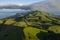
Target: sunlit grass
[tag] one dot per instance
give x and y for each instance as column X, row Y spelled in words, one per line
column 55, row 29
column 1, row 21
column 21, row 24
column 31, row 32
column 9, row 21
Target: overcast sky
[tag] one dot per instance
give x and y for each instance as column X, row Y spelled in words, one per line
column 19, row 1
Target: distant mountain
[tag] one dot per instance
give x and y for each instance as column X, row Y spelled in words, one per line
column 9, row 6
column 50, row 6
column 13, row 6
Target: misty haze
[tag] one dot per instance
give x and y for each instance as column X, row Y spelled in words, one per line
column 11, row 12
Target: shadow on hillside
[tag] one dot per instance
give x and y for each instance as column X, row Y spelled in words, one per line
column 11, row 32
column 48, row 36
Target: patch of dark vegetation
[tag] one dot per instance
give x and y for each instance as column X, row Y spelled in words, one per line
column 44, row 26
column 48, row 36
column 55, row 22
column 11, row 32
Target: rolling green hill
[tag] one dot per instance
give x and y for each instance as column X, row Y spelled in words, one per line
column 35, row 25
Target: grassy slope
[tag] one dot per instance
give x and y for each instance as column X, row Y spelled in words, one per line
column 33, row 26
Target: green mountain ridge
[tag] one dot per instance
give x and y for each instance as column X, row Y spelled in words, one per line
column 35, row 25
